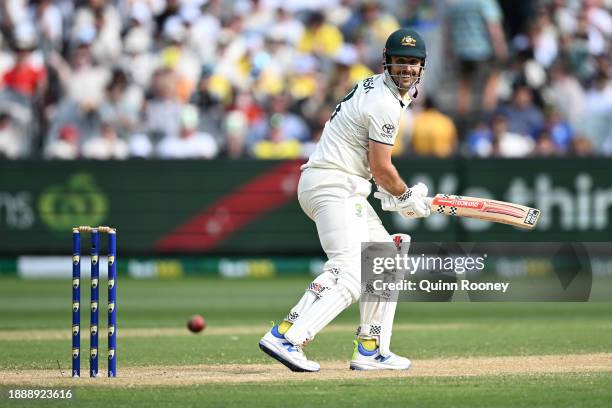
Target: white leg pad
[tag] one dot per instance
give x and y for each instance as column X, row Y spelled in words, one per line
column 315, row 291
column 323, row 311
column 378, row 310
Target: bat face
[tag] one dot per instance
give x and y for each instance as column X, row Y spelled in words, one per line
column 486, row 209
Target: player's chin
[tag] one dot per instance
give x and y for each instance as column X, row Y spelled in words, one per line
column 407, row 83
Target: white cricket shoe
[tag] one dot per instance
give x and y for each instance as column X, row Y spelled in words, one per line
column 364, row 359
column 276, row 346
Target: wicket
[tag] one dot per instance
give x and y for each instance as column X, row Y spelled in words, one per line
column 76, row 300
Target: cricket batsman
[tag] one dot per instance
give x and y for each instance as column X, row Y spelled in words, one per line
column 355, row 146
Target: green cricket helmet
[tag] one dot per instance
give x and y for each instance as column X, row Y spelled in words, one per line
column 405, row 42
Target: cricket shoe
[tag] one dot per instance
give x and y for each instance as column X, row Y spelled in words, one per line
column 276, row 346
column 364, row 359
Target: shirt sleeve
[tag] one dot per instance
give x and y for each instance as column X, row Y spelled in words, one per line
column 383, row 122
column 491, row 11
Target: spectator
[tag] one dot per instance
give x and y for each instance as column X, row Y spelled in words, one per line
column 163, row 110
column 84, row 83
column 582, row 147
column 507, row 144
column 83, row 79
column 306, row 80
column 137, row 59
column 545, row 147
column 279, row 59
column 523, row 117
column 347, row 71
column 179, row 58
column 574, row 50
column 209, row 104
column 47, row 18
column 433, row 133
column 544, row 38
column 238, row 58
column 21, row 118
column 201, row 24
column 104, row 18
column 191, row 144
column 107, row 145
column 598, row 17
column 288, row 25
column 236, row 129
column 563, row 17
column 523, row 68
column 254, row 113
column 171, row 9
column 373, row 26
column 27, row 76
column 66, row 146
column 257, row 16
column 558, row 131
column 232, row 62
column 480, row 141
column 320, row 38
column 478, row 42
column 137, row 14
column 117, row 110
column 10, row 145
column 597, row 123
column 289, row 125
column 565, row 94
column 591, row 35
column 275, row 146
column 140, row 146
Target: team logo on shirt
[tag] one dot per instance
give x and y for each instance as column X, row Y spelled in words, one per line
column 408, row 40
column 368, row 84
column 388, row 130
column 358, row 210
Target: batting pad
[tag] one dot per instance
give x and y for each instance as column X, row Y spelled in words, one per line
column 315, row 291
column 320, row 314
column 377, row 308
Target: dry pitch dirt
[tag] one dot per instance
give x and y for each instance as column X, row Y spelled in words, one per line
column 273, row 372
column 25, row 335
column 335, row 370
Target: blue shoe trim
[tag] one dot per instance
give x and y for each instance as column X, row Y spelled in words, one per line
column 281, row 360
column 289, row 346
column 276, row 333
column 365, row 352
column 382, row 358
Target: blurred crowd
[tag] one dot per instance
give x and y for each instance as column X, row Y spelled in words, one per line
column 117, row 79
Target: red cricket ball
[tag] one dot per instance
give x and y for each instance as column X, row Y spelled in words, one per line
column 196, row 324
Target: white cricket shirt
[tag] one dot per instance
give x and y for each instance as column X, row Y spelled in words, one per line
column 370, row 111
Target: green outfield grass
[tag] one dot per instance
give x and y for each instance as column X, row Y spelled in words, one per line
column 32, row 313
column 580, row 391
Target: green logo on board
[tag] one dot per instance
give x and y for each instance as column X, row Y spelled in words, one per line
column 77, row 202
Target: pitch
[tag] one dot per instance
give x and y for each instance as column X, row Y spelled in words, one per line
column 464, row 354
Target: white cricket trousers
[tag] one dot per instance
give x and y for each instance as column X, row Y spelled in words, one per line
column 337, row 202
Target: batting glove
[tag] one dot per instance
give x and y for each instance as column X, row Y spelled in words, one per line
column 413, row 203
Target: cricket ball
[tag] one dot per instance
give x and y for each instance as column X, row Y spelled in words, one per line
column 196, row 324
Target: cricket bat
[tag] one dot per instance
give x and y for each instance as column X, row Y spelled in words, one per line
column 485, row 209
